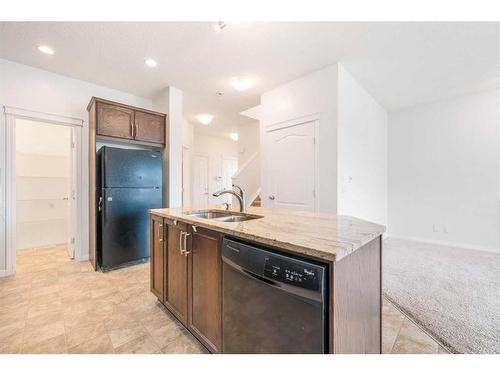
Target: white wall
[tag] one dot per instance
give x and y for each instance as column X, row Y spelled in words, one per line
column 444, row 171
column 314, row 93
column 362, row 152
column 216, row 149
column 187, row 162
column 38, row 90
column 42, row 183
column 170, row 101
column 248, row 141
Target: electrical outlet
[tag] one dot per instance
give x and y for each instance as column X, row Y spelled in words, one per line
column 435, row 227
column 445, row 228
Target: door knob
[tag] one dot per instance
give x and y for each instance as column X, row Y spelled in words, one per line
column 271, row 197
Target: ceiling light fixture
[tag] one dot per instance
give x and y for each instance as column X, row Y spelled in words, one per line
column 205, row 118
column 241, row 84
column 45, row 49
column 234, row 136
column 150, row 62
column 219, row 26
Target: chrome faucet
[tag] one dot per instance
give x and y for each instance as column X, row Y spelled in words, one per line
column 240, row 195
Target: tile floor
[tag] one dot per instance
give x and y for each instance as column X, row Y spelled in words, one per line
column 55, row 305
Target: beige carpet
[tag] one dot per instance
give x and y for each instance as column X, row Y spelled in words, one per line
column 453, row 293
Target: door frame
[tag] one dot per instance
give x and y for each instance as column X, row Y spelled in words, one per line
column 11, row 114
column 314, row 118
column 207, row 157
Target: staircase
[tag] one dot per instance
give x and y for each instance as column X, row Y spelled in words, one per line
column 248, row 178
column 256, row 202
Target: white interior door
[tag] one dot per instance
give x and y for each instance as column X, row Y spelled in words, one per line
column 200, row 180
column 292, row 166
column 229, row 168
column 72, row 207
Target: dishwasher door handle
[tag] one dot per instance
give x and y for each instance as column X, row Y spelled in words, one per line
column 244, row 271
column 260, row 278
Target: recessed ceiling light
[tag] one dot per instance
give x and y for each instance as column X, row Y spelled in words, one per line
column 150, row 62
column 219, row 26
column 241, row 84
column 45, row 49
column 234, row 136
column 205, row 118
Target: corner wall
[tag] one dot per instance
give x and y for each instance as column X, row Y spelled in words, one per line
column 362, row 152
column 312, row 94
column 444, row 172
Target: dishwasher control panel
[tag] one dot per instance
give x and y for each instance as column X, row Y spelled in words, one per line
column 303, row 276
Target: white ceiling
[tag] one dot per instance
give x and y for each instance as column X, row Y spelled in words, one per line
column 400, row 64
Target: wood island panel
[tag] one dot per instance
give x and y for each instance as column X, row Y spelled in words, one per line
column 357, row 308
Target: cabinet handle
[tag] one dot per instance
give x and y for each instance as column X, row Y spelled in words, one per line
column 181, row 241
column 186, row 252
column 160, row 237
column 131, row 129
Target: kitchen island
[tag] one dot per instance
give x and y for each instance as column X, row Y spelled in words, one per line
column 187, row 267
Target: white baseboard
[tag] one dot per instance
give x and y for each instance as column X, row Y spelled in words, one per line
column 5, row 273
column 445, row 243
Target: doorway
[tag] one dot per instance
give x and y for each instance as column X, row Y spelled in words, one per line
column 44, row 186
column 200, row 180
column 43, row 180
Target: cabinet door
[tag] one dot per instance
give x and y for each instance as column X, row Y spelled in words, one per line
column 115, row 121
column 157, row 261
column 176, row 290
column 205, row 287
column 149, row 127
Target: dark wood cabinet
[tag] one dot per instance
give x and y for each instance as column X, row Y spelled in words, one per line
column 176, row 299
column 190, row 285
column 149, row 127
column 115, row 121
column 158, row 259
column 205, row 287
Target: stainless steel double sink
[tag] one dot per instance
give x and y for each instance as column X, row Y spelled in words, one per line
column 224, row 216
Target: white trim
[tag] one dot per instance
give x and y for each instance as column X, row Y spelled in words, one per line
column 42, row 116
column 9, row 119
column 292, row 122
column 4, row 273
column 445, row 243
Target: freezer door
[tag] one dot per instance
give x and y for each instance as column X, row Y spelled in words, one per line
column 130, row 168
column 124, row 230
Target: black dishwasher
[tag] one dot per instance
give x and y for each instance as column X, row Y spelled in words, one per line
column 272, row 303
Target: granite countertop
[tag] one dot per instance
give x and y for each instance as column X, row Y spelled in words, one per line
column 323, row 236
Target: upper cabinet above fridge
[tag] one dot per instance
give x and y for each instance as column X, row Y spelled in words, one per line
column 115, row 120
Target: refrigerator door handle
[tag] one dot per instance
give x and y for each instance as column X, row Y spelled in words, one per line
column 103, row 205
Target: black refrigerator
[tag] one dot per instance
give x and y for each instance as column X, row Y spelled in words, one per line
column 128, row 183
